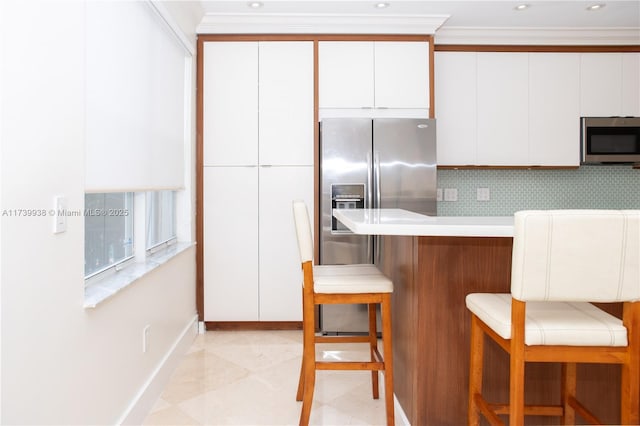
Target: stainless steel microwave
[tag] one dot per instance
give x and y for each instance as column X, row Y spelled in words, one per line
column 610, row 140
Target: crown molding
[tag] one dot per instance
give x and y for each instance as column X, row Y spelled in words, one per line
column 538, row 36
column 319, row 24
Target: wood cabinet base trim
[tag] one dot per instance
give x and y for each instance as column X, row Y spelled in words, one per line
column 253, row 325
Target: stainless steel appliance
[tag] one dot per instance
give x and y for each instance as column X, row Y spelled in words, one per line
column 370, row 163
column 610, row 140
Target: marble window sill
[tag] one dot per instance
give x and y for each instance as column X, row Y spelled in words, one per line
column 98, row 292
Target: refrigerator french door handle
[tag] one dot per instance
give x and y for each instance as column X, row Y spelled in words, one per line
column 377, row 205
column 368, row 203
column 376, row 175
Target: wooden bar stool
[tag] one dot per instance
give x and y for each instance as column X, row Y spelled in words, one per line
column 562, row 260
column 341, row 284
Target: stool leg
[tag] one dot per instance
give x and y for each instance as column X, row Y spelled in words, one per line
column 388, row 358
column 630, row 380
column 568, row 391
column 309, row 383
column 304, row 345
column 308, row 371
column 300, row 381
column 630, row 392
column 516, row 364
column 475, row 371
column 373, row 343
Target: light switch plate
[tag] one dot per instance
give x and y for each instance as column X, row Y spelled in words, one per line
column 59, row 216
column 483, row 194
column 439, row 194
column 451, row 194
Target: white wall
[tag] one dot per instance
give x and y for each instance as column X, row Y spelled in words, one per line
column 61, row 363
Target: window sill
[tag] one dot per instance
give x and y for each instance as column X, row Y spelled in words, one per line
column 102, row 290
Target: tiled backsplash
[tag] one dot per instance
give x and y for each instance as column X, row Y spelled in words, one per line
column 598, row 187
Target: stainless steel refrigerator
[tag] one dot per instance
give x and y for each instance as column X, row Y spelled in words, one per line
column 370, row 163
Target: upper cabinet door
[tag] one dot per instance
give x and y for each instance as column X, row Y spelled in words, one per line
column 286, row 103
column 401, row 74
column 631, row 84
column 554, row 108
column 503, row 109
column 609, row 84
column 457, row 126
column 230, row 111
column 600, row 84
column 381, row 74
column 345, row 74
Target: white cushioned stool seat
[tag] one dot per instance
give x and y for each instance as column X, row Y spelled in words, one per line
column 551, row 323
column 375, row 283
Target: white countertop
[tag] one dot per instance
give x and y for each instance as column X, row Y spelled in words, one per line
column 404, row 222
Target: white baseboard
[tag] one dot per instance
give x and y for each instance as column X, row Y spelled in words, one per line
column 146, row 398
column 400, row 412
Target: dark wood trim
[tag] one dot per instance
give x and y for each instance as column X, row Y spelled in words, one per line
column 432, row 85
column 533, row 48
column 199, row 180
column 313, row 37
column 507, row 167
column 253, row 325
column 316, row 152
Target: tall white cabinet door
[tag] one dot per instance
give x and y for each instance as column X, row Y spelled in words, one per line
column 631, row 84
column 230, row 249
column 455, row 90
column 554, row 108
column 600, row 84
column 345, row 74
column 286, row 103
column 503, row 109
column 230, row 124
column 280, row 272
column 401, row 74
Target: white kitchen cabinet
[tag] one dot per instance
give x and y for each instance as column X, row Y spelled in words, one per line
column 280, row 272
column 600, row 84
column 527, row 105
column 554, row 108
column 230, row 113
column 610, row 84
column 251, row 272
column 345, row 74
column 631, row 84
column 286, row 127
column 401, row 74
column 456, row 115
column 230, row 248
column 366, row 75
column 503, row 109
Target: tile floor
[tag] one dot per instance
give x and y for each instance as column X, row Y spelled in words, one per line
column 251, row 377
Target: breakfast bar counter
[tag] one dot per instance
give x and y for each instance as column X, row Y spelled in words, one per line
column 404, row 222
column 434, row 263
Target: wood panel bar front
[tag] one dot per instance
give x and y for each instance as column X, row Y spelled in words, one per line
column 432, row 276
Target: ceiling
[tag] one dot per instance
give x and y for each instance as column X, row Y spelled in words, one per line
column 572, row 14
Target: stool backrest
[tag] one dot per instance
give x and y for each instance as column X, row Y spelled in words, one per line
column 576, row 255
column 303, row 231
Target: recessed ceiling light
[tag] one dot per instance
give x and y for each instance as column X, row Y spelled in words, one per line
column 254, row 5
column 522, row 7
column 595, row 7
column 382, row 5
